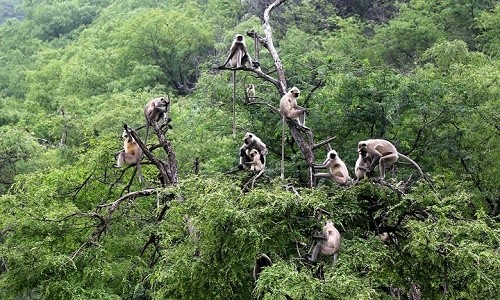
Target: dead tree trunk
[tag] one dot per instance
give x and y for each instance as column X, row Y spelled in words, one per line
column 303, row 138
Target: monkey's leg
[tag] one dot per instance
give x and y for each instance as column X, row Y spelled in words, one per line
column 314, row 255
column 385, row 162
column 317, row 176
column 243, row 158
column 120, row 160
column 375, row 162
column 139, row 172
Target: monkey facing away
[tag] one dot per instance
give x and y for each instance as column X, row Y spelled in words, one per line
column 337, row 169
column 154, row 111
column 329, row 245
column 362, row 164
column 250, row 92
column 130, row 155
column 256, row 165
column 290, row 109
column 238, row 54
column 384, row 154
column 251, row 141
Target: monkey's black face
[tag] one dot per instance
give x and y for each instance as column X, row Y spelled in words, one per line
column 248, row 139
column 296, row 94
column 332, row 155
column 239, row 38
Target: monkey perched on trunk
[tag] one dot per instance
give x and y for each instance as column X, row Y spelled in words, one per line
column 329, row 245
column 154, row 111
column 250, row 142
column 336, row 167
column 384, row 154
column 130, row 155
column 290, row 109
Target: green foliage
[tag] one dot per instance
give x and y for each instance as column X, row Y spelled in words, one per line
column 423, row 74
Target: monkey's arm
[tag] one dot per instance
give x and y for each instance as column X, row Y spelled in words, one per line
column 319, row 237
column 162, row 108
column 232, row 51
column 324, row 165
column 376, row 158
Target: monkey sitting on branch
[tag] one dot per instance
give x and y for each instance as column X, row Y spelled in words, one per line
column 250, row 93
column 384, row 154
column 251, row 142
column 337, row 170
column 329, row 243
column 131, row 154
column 238, row 54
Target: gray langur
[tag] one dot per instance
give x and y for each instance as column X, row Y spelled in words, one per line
column 251, row 141
column 156, row 110
column 262, row 262
column 337, row 169
column 362, row 164
column 290, row 109
column 384, row 154
column 256, row 165
column 250, row 92
column 329, row 245
column 238, row 54
column 130, row 155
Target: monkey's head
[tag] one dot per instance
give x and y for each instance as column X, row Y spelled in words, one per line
column 362, row 146
column 124, row 134
column 239, row 38
column 329, row 223
column 165, row 100
column 294, row 91
column 363, row 152
column 332, row 154
column 248, row 138
column 253, row 153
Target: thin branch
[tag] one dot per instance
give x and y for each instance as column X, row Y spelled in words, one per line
column 324, row 142
column 114, row 205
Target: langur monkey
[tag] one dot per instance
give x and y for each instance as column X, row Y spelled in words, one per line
column 329, row 245
column 250, row 142
column 262, row 262
column 336, row 167
column 155, row 110
column 130, row 155
column 362, row 164
column 290, row 109
column 238, row 54
column 384, row 154
column 256, row 165
column 238, row 57
column 250, row 92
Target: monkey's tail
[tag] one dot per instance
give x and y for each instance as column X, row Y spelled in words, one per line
column 234, row 103
column 414, row 163
column 147, row 133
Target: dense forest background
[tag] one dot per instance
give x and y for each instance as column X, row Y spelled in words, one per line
column 423, row 74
